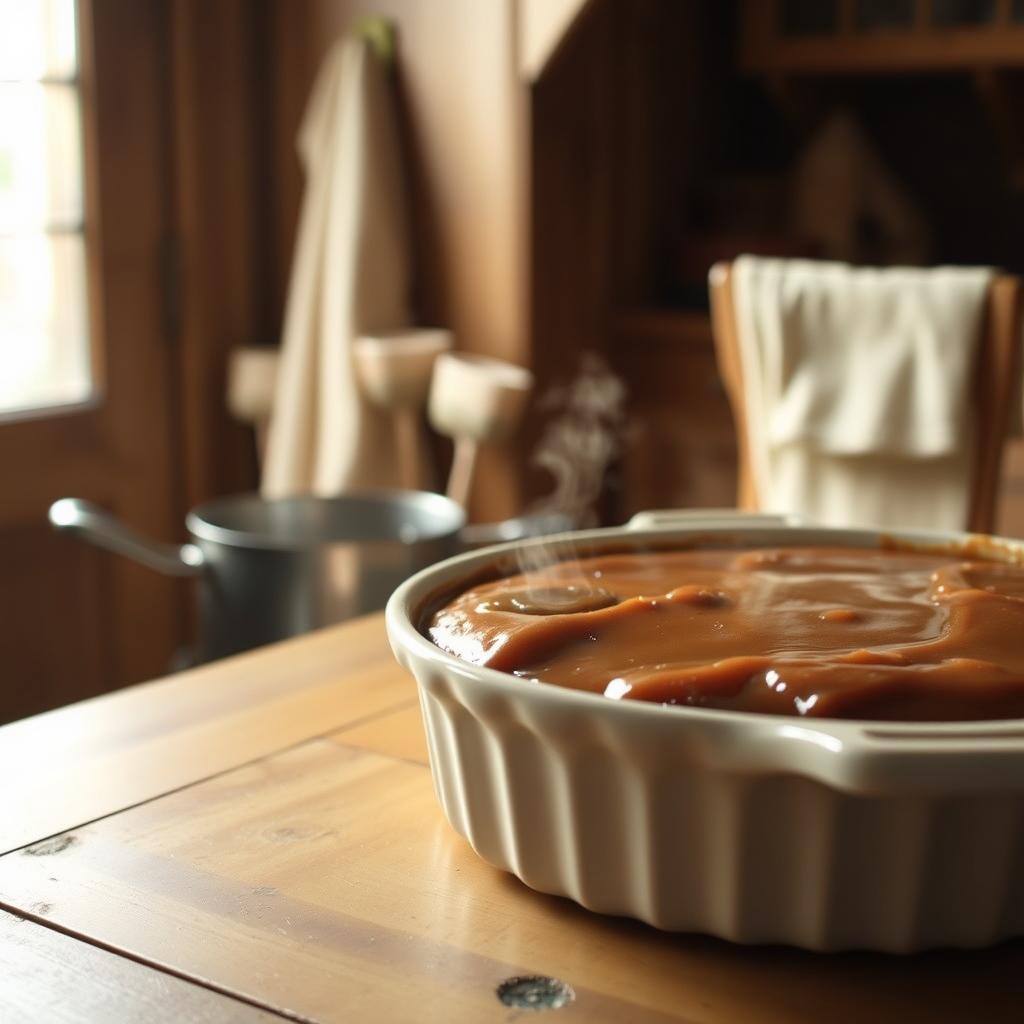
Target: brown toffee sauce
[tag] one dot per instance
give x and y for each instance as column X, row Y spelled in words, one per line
column 821, row 632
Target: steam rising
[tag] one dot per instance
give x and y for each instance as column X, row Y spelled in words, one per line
column 580, row 440
column 578, row 444
column 554, row 580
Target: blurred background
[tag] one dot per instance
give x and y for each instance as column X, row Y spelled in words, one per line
column 571, row 169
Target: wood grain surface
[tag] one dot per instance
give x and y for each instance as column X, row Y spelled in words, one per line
column 322, row 882
column 90, row 759
column 316, row 877
column 39, row 967
column 397, row 734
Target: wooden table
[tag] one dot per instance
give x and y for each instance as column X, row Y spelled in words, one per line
column 258, row 840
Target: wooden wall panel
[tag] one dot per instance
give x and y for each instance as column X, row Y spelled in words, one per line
column 542, row 25
column 571, row 198
column 59, row 587
column 656, row 107
column 218, row 253
column 680, row 450
column 136, row 467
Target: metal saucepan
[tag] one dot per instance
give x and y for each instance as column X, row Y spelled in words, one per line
column 273, row 569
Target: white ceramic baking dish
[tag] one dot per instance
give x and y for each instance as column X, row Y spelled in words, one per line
column 824, row 834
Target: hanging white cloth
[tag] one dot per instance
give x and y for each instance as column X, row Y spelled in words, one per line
column 350, row 276
column 857, row 389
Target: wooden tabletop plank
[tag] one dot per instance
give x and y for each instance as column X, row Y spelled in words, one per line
column 397, row 734
column 324, row 881
column 81, row 762
column 48, row 976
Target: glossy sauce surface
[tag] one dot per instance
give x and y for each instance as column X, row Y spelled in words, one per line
column 824, row 632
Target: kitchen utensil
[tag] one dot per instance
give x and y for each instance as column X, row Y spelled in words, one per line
column 252, row 379
column 475, row 400
column 813, row 832
column 274, row 569
column 394, row 372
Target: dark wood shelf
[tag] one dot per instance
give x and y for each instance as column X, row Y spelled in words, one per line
column 676, row 326
column 923, row 44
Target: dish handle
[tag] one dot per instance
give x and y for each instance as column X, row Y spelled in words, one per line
column 886, row 757
column 672, row 518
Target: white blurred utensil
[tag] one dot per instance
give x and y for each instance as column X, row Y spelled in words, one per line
column 394, row 370
column 475, row 400
column 252, row 377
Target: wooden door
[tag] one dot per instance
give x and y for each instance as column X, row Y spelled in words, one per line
column 75, row 621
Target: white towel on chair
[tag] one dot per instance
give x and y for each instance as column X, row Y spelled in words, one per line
column 857, row 388
column 350, row 276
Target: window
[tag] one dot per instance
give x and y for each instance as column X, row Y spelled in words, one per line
column 45, row 357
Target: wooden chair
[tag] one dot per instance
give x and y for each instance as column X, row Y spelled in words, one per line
column 996, row 388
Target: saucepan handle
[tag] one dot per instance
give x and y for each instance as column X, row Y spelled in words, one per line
column 98, row 526
column 667, row 518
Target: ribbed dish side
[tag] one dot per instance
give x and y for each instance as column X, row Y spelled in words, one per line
column 574, row 811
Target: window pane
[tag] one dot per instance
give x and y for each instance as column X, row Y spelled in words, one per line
column 37, row 39
column 40, row 157
column 45, row 358
column 44, row 334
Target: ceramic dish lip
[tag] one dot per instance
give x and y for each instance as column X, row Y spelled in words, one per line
column 876, row 750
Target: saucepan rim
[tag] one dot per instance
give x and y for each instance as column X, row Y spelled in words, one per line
column 447, row 518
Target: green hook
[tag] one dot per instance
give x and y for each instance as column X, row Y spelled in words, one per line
column 380, row 34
